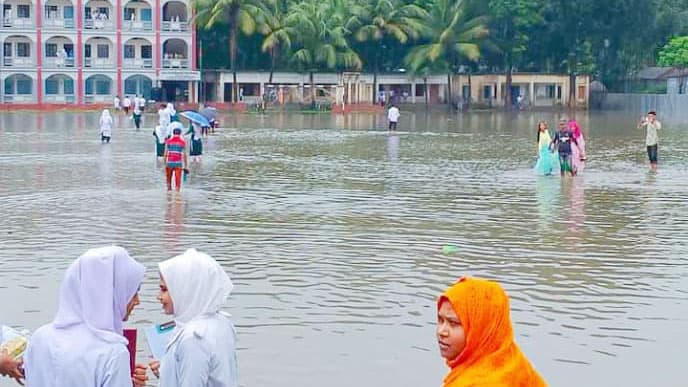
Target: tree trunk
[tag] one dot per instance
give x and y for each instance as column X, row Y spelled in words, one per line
column 427, row 93
column 572, row 89
column 507, row 93
column 470, row 90
column 450, row 100
column 234, row 30
column 312, row 80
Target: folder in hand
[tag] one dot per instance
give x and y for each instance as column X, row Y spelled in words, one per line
column 158, row 336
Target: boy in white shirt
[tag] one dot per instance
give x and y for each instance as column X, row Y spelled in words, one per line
column 393, row 117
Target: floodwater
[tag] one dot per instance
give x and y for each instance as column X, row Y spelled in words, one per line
column 332, row 231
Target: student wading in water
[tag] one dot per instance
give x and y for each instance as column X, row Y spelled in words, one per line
column 651, row 125
column 476, row 338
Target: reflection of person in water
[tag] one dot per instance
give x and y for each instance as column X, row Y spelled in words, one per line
column 393, row 148
column 548, row 193
column 577, row 210
column 174, row 220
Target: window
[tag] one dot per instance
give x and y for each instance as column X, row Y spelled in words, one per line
column 87, row 12
column 51, row 11
column 87, row 51
column 146, row 14
column 68, row 12
column 24, row 85
column 23, row 50
column 103, row 51
column 147, row 52
column 128, row 12
column 52, row 86
column 68, row 86
column 7, row 49
column 420, row 90
column 487, row 92
column 51, row 50
column 130, row 86
column 581, row 92
column 103, row 86
column 69, row 47
column 24, row 11
column 9, row 86
column 129, row 51
column 104, row 11
column 551, row 90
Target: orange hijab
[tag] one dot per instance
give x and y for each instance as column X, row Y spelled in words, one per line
column 491, row 357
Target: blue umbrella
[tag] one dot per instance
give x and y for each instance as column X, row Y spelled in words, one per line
column 195, row 117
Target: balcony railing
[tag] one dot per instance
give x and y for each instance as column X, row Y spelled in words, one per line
column 58, row 62
column 98, row 62
column 175, row 63
column 97, row 98
column 91, row 24
column 50, row 23
column 18, row 98
column 18, row 22
column 138, row 63
column 18, row 61
column 175, row 26
column 129, row 25
column 60, row 98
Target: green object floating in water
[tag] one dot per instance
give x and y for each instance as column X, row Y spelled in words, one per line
column 450, row 249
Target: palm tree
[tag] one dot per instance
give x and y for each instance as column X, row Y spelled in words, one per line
column 320, row 31
column 272, row 24
column 452, row 34
column 238, row 14
column 389, row 18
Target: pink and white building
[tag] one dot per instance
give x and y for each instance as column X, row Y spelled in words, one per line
column 88, row 51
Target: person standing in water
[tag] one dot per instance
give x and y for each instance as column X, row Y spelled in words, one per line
column 175, row 159
column 578, row 152
column 563, row 140
column 651, row 126
column 137, row 116
column 476, row 338
column 105, row 126
column 545, row 164
column 393, row 116
column 196, row 150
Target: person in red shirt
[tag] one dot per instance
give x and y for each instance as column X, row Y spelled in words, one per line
column 175, row 158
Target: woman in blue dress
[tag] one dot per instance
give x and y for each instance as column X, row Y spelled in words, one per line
column 546, row 158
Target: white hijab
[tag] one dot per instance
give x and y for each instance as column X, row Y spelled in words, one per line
column 161, row 133
column 105, row 116
column 96, row 289
column 170, row 109
column 197, row 285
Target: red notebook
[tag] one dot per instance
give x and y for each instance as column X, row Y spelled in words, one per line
column 130, row 334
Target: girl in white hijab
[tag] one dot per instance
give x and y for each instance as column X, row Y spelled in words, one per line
column 201, row 350
column 84, row 345
column 105, row 126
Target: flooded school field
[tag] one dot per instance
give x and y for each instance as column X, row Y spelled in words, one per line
column 333, row 233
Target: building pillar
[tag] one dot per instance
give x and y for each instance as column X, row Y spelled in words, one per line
column 532, row 93
column 39, row 52
column 157, row 50
column 119, row 48
column 262, row 90
column 79, row 52
column 413, row 91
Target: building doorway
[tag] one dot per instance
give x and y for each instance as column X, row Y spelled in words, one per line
column 175, row 91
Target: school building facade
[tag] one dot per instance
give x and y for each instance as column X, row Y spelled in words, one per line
column 79, row 52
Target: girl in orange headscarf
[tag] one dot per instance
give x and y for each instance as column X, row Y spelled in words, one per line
column 476, row 338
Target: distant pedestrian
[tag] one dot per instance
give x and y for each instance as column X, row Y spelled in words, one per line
column 651, row 126
column 105, row 123
column 164, row 118
column 393, row 117
column 136, row 116
column 126, row 105
column 196, row 150
column 117, row 103
column 141, row 103
column 578, row 151
column 175, row 159
column 476, row 338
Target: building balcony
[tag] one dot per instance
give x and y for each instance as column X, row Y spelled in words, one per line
column 138, row 63
column 60, row 98
column 99, row 63
column 138, row 26
column 18, row 98
column 14, row 61
column 59, row 23
column 175, row 26
column 56, row 62
column 19, row 22
column 107, row 25
column 175, row 63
